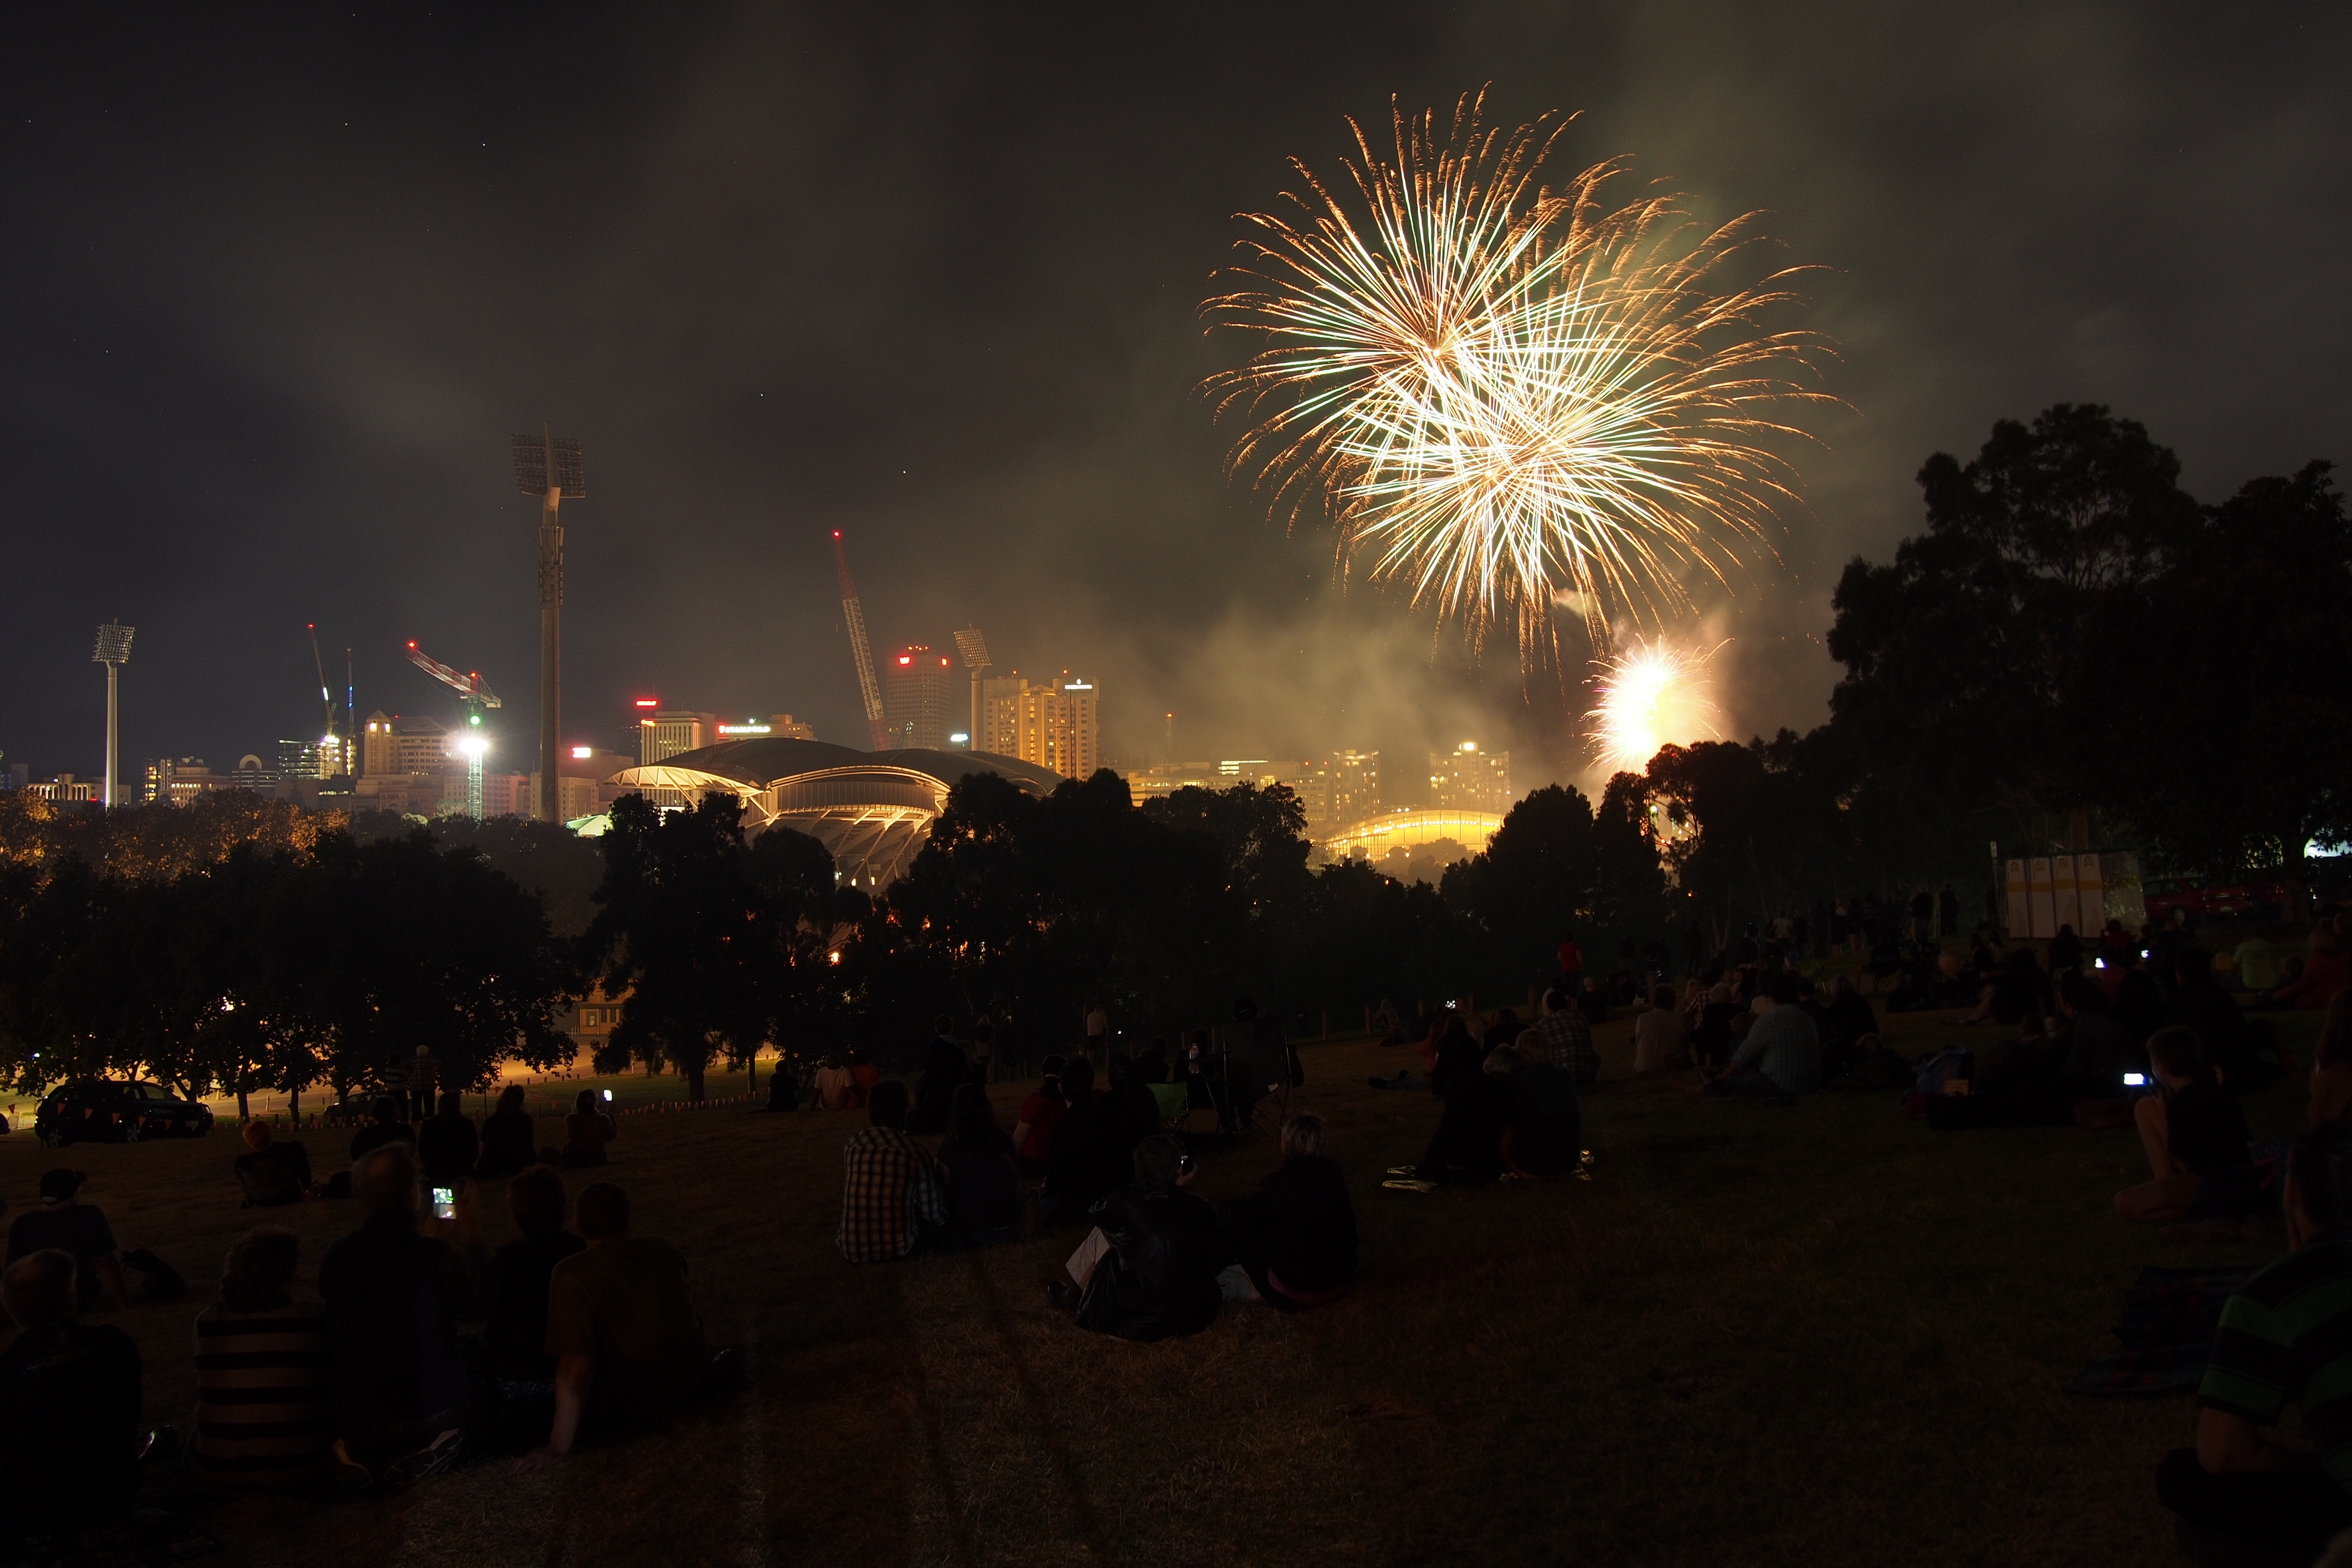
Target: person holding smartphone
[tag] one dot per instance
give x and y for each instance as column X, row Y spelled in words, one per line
column 587, row 1130
column 2195, row 1136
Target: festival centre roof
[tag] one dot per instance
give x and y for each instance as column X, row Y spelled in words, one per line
column 872, row 809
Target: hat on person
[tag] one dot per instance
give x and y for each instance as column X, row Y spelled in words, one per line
column 58, row 1184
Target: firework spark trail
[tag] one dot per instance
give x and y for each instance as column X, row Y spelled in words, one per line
column 1498, row 388
column 1650, row 695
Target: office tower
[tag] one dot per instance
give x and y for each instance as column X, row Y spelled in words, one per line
column 1468, row 779
column 392, row 746
column 915, row 697
column 669, row 730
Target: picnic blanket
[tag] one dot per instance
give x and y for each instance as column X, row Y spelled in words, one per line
column 2169, row 1317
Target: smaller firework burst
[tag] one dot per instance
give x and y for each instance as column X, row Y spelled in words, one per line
column 1651, row 695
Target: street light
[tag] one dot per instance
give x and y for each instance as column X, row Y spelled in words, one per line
column 114, row 652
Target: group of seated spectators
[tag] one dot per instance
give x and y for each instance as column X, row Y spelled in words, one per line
column 1509, row 1098
column 582, row 1337
column 1156, row 1261
column 447, row 1145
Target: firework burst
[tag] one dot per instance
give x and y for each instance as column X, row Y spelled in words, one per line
column 1503, row 392
column 1649, row 696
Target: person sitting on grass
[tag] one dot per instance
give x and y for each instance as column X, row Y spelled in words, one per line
column 1295, row 1238
column 891, row 1206
column 2331, row 1070
column 629, row 1352
column 2326, row 971
column 514, row 1342
column 1660, row 1034
column 2099, row 1050
column 2194, row 1133
column 1567, row 1034
column 945, row 1069
column 273, row 1171
column 1151, row 1263
column 447, row 1143
column 400, row 1393
column 70, row 1399
column 509, row 1137
column 1033, row 1130
column 66, row 1222
column 2286, row 1339
column 1842, row 1024
column 1782, row 1055
column 1467, row 1150
column 586, row 1131
column 984, row 1183
column 262, row 1418
column 1545, row 1136
column 834, row 1088
column 390, row 1126
column 1089, row 1155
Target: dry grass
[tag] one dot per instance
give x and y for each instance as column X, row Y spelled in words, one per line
column 1809, row 1335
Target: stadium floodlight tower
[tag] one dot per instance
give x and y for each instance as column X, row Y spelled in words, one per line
column 114, row 652
column 548, row 466
column 974, row 648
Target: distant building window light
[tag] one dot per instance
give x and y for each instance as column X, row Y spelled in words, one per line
column 959, row 736
column 744, row 729
column 648, row 702
column 583, row 751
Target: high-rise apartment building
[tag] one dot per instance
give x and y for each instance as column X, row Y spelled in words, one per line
column 1468, row 779
column 915, row 697
column 1355, row 786
column 1057, row 724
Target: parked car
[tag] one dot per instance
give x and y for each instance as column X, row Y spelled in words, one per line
column 2213, row 898
column 109, row 1111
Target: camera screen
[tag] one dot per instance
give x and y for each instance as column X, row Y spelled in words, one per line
column 444, row 1202
column 2134, row 1079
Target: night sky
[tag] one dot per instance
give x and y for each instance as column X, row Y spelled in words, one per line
column 279, row 283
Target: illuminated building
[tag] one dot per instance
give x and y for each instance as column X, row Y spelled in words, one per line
column 873, row 810
column 1056, row 725
column 1468, row 779
column 180, row 779
column 392, row 746
column 1355, row 786
column 665, row 732
column 915, row 698
column 1376, row 837
column 1162, row 779
column 581, row 786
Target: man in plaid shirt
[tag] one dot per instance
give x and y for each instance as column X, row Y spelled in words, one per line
column 1568, row 1038
column 890, row 1189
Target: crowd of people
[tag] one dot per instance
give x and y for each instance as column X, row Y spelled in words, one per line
column 1156, row 1260
column 423, row 1345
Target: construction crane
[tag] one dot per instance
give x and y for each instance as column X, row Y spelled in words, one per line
column 475, row 693
column 339, row 745
column 855, row 613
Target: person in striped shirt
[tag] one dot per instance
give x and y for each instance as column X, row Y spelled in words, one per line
column 262, row 1419
column 2286, row 1339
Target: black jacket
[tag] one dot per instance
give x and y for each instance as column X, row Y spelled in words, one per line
column 1088, row 1154
column 1302, row 1223
column 1159, row 1279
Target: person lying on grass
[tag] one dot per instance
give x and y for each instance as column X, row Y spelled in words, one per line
column 2195, row 1136
column 2286, row 1339
column 629, row 1351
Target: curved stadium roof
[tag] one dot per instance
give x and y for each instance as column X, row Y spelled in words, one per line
column 873, row 809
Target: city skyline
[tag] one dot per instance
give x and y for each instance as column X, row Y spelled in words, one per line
column 357, row 303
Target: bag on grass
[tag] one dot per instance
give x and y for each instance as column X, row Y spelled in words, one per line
column 1943, row 1066
column 158, row 1281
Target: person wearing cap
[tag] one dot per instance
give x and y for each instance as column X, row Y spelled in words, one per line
column 75, row 1228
